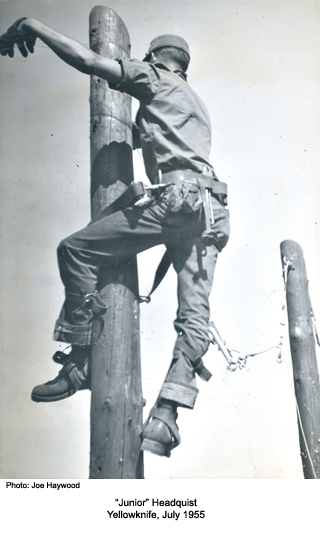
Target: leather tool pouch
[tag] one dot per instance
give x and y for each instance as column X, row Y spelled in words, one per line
column 183, row 196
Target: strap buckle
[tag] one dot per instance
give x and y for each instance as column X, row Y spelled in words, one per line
column 197, row 362
column 95, row 302
column 91, row 301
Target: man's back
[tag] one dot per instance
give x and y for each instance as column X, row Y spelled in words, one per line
column 174, row 123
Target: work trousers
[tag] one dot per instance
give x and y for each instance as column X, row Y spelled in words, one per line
column 174, row 218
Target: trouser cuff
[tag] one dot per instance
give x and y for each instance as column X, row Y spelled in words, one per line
column 75, row 335
column 185, row 395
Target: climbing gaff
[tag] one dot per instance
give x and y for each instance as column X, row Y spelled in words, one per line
column 216, row 339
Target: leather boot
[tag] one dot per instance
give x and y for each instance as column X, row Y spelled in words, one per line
column 72, row 377
column 161, row 433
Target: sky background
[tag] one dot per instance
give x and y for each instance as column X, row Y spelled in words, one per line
column 256, row 66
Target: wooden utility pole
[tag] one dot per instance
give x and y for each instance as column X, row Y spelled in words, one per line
column 116, row 402
column 302, row 344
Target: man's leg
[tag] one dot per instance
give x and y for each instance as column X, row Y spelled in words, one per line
column 81, row 257
column 195, row 277
column 195, row 265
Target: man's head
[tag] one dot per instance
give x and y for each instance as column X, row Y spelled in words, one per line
column 169, row 48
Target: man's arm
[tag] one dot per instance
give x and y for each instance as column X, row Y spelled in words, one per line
column 72, row 52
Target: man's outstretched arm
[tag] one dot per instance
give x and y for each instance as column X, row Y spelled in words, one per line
column 71, row 51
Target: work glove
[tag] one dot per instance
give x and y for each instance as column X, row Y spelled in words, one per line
column 24, row 40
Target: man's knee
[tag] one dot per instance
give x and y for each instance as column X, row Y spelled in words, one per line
column 195, row 333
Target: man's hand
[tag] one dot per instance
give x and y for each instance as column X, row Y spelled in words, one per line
column 25, row 31
column 24, row 40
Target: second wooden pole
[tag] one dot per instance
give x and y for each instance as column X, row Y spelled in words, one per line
column 305, row 368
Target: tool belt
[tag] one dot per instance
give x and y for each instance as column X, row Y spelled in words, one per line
column 207, row 181
column 138, row 193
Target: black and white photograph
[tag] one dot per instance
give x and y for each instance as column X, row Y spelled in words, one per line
column 160, row 248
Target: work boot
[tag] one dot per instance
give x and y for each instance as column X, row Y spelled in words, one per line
column 72, row 377
column 161, row 433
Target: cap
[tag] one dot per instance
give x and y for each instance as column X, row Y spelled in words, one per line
column 167, row 40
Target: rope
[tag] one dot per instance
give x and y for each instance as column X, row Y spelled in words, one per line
column 238, row 360
column 287, row 265
column 305, row 439
column 300, row 420
column 315, row 331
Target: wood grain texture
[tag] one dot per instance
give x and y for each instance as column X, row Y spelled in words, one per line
column 116, row 402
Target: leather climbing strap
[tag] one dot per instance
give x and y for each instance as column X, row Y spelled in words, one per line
column 161, row 271
column 134, row 192
column 60, row 357
column 197, row 362
column 165, row 416
column 77, row 376
column 91, row 301
column 74, row 374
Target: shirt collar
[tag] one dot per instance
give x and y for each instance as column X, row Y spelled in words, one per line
column 177, row 71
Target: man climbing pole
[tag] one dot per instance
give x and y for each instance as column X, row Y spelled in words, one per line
column 184, row 209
